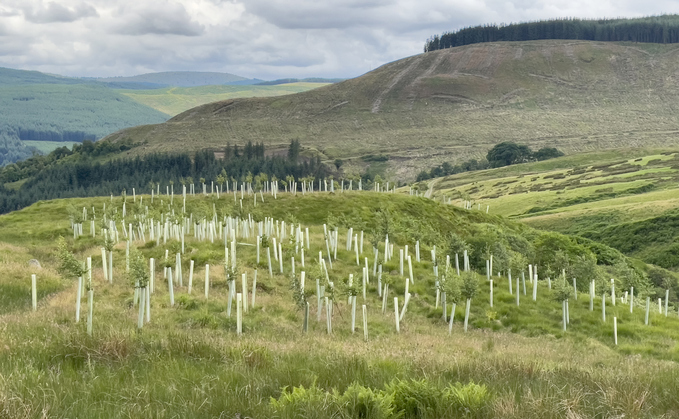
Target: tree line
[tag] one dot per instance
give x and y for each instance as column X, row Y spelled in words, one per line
column 654, row 29
column 503, row 154
column 82, row 175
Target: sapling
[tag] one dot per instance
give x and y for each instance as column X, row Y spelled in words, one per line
column 450, row 285
column 71, row 267
column 561, row 293
column 108, row 247
column 139, row 276
column 468, row 289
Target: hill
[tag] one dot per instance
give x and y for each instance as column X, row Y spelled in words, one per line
column 13, row 77
column 63, row 113
column 181, row 79
column 627, row 199
column 455, row 104
column 189, row 356
column 175, row 100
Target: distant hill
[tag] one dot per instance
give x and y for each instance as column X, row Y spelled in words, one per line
column 181, row 79
column 12, row 77
column 307, row 80
column 63, row 112
column 455, row 104
column 175, row 100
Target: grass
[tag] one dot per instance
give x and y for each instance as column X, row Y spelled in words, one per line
column 175, row 100
column 455, row 104
column 188, row 360
column 608, row 197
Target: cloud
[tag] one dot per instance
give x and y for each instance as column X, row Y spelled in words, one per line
column 160, row 18
column 54, row 12
column 268, row 39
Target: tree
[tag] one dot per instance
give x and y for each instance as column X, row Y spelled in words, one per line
column 507, row 153
column 293, row 151
column 338, row 163
column 546, row 153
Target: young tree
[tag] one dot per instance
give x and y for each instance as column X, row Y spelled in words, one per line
column 468, row 289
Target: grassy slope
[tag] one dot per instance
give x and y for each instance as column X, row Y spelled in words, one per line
column 174, row 100
column 617, row 198
column 454, row 104
column 188, row 360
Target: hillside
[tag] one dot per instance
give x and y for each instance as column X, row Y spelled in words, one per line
column 64, row 113
column 13, row 77
column 455, row 104
column 175, row 100
column 181, row 79
column 627, row 199
column 513, row 361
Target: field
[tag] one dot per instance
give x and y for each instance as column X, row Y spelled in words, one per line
column 455, row 104
column 189, row 360
column 175, row 100
column 602, row 196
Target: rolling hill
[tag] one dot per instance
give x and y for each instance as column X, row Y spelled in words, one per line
column 454, row 104
column 190, row 355
column 627, row 199
column 42, row 112
column 181, row 79
column 175, row 100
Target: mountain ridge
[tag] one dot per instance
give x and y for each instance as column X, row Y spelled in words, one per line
column 455, row 104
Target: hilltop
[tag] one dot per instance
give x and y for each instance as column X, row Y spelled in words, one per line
column 455, row 104
column 181, row 79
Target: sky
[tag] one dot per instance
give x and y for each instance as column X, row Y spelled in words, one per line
column 266, row 39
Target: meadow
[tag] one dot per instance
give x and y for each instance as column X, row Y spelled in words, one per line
column 608, row 197
column 190, row 360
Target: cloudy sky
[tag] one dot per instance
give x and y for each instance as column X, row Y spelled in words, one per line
column 267, row 39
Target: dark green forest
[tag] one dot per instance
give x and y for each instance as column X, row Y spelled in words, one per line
column 80, row 172
column 656, row 29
